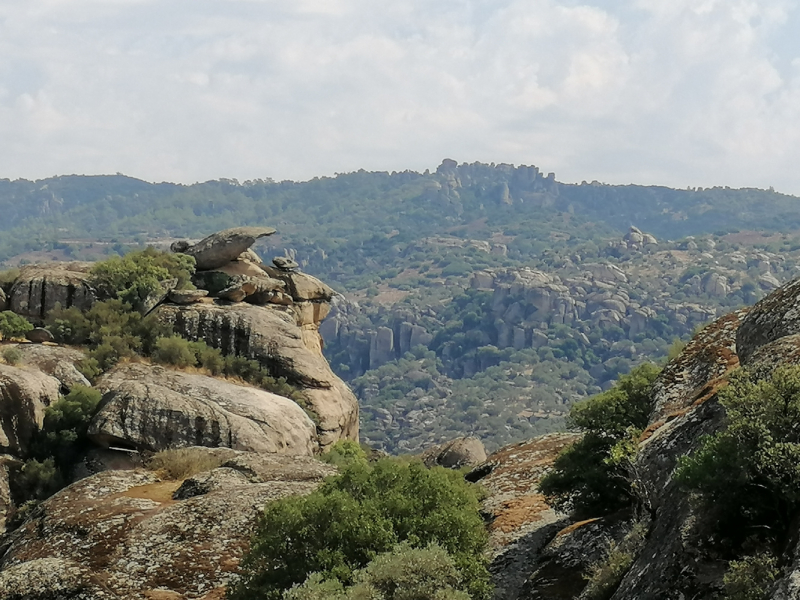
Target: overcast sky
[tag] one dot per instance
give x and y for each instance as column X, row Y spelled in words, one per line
column 675, row 92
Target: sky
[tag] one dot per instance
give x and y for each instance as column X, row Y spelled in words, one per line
column 668, row 92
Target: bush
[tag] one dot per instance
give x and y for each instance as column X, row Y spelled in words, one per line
column 12, row 325
column 406, row 573
column 751, row 578
column 174, row 350
column 12, row 355
column 365, row 511
column 133, row 277
column 747, row 473
column 7, row 278
column 63, row 433
column 344, row 452
column 585, row 476
column 35, row 480
column 180, row 463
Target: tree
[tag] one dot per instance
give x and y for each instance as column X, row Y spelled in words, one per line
column 590, row 476
column 365, row 511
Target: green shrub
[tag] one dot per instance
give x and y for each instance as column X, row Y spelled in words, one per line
column 12, row 325
column 35, row 480
column 174, row 350
column 366, row 510
column 12, row 355
column 344, row 452
column 747, row 474
column 133, row 277
column 7, row 278
column 751, row 578
column 585, row 476
column 405, row 573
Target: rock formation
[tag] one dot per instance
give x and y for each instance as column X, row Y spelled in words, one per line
column 24, row 394
column 39, row 288
column 222, row 247
column 128, row 535
column 151, row 408
column 455, row 454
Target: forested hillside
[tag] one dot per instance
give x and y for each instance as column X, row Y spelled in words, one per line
column 477, row 299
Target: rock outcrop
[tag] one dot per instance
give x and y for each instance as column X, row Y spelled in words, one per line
column 151, row 408
column 455, row 454
column 24, row 394
column 57, row 361
column 39, row 288
column 126, row 535
column 272, row 337
column 775, row 316
column 520, row 521
column 222, row 247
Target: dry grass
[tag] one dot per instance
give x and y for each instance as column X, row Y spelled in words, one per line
column 180, row 463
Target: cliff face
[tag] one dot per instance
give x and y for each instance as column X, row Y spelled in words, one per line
column 674, row 559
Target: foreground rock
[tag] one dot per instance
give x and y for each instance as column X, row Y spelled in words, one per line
column 273, row 338
column 148, row 407
column 521, row 522
column 121, row 535
column 39, row 288
column 24, row 394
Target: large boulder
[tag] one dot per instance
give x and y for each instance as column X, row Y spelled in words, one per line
column 57, row 361
column 222, row 247
column 455, row 454
column 148, row 407
column 124, row 535
column 24, row 394
column 39, row 288
column 272, row 336
column 6, row 504
column 773, row 317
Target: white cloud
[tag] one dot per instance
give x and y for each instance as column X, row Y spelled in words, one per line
column 678, row 92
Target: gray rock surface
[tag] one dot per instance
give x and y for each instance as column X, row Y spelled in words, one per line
column 773, row 317
column 6, row 504
column 24, row 394
column 223, row 247
column 57, row 361
column 455, row 454
column 187, row 296
column 39, row 288
column 272, row 336
column 149, row 407
column 3, row 300
column 121, row 535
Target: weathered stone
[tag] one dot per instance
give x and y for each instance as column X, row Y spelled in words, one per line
column 223, row 247
column 272, row 337
column 284, row 263
column 455, row 454
column 120, row 535
column 39, row 335
column 152, row 408
column 706, row 358
column 3, row 300
column 24, row 394
column 187, row 296
column 57, row 361
column 774, row 316
column 158, row 295
column 6, row 504
column 381, row 348
column 301, row 286
column 521, row 522
column 39, row 288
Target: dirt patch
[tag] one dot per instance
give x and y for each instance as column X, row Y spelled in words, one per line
column 518, row 512
column 160, row 491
